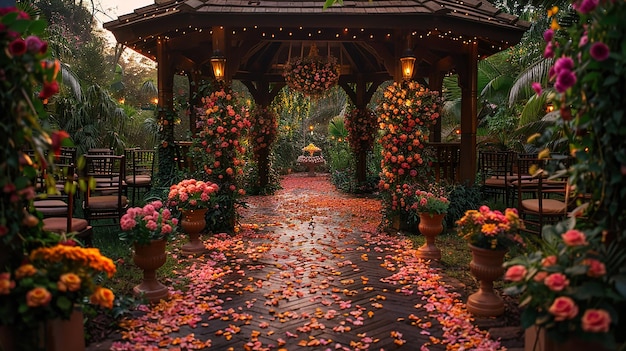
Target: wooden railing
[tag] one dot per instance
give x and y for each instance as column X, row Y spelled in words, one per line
column 446, row 165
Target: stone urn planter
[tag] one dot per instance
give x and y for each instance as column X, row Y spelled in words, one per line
column 193, row 223
column 149, row 258
column 430, row 226
column 486, row 266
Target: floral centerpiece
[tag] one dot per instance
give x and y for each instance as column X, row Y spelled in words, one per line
column 566, row 287
column 312, row 75
column 141, row 225
column 491, row 229
column 311, row 149
column 50, row 283
column 430, row 203
column 191, row 194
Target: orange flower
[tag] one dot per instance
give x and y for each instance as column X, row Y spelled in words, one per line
column 102, row 297
column 38, row 297
column 6, row 284
column 69, row 281
column 25, row 270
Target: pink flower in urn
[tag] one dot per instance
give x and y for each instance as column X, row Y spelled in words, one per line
column 596, row 268
column 596, row 321
column 556, row 281
column 516, row 273
column 574, row 237
column 563, row 308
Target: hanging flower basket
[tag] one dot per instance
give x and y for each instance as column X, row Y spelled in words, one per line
column 312, row 75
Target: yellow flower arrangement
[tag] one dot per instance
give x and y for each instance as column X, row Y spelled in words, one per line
column 51, row 283
column 311, row 149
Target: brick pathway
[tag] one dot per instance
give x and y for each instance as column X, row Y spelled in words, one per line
column 308, row 271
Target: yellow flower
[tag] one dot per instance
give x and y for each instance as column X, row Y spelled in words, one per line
column 553, row 11
column 554, row 25
column 545, row 153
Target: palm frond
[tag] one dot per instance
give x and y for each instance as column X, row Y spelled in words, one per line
column 538, row 72
column 70, row 79
column 533, row 109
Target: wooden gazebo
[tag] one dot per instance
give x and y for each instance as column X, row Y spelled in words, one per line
column 368, row 38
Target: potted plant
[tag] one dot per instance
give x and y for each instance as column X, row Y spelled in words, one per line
column 148, row 229
column 193, row 197
column 48, row 289
column 432, row 209
column 566, row 289
column 489, row 234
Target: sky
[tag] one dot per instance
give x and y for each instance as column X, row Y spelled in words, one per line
column 115, row 8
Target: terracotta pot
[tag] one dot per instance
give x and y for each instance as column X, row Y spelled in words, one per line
column 53, row 335
column 430, row 226
column 535, row 339
column 486, row 266
column 149, row 258
column 193, row 223
column 66, row 335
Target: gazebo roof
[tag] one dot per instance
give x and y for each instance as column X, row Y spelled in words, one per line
column 364, row 35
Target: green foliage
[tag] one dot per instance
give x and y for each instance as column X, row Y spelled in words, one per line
column 462, row 198
column 251, row 178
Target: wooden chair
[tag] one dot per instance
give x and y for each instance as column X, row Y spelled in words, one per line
column 541, row 200
column 139, row 170
column 100, row 151
column 104, row 197
column 497, row 174
column 68, row 223
column 53, row 199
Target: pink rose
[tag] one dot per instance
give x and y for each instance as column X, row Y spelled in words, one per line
column 549, row 261
column 540, row 276
column 574, row 237
column 596, row 268
column 556, row 281
column 596, row 321
column 516, row 273
column 563, row 308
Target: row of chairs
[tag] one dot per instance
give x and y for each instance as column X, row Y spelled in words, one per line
column 110, row 178
column 521, row 181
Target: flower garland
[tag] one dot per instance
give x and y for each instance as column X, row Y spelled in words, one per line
column 312, row 75
column 405, row 113
column 362, row 125
column 264, row 129
column 217, row 150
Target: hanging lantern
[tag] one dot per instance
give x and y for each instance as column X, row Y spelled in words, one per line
column 407, row 62
column 218, row 62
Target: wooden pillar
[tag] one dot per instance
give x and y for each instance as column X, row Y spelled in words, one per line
column 166, row 115
column 468, row 80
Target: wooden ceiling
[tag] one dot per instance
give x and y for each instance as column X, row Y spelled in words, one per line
column 366, row 37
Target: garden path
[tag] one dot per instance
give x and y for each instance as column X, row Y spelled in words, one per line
column 308, row 270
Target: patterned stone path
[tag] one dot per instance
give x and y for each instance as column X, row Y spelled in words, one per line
column 307, row 271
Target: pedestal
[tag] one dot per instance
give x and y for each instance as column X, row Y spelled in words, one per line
column 486, row 266
column 193, row 223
